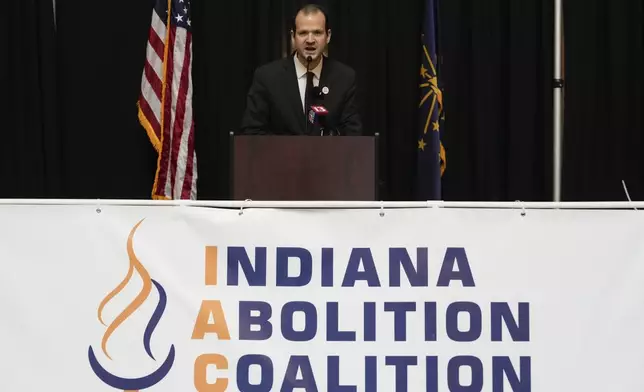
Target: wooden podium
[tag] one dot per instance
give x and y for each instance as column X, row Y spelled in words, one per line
column 304, row 167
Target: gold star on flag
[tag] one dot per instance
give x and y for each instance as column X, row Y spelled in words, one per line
column 423, row 70
column 421, row 144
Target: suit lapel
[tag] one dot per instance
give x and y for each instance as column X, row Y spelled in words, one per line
column 326, row 71
column 326, row 80
column 293, row 94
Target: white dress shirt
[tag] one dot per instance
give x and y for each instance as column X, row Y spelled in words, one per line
column 300, row 71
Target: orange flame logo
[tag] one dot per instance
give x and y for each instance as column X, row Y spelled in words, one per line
column 135, row 384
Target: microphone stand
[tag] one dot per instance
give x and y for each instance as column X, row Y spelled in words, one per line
column 306, row 95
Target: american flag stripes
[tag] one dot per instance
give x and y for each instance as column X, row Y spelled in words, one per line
column 165, row 102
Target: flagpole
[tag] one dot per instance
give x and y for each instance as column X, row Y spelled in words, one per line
column 558, row 102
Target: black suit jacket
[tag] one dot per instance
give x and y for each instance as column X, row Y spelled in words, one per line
column 274, row 105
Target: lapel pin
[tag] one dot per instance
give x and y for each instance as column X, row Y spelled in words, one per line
column 325, row 90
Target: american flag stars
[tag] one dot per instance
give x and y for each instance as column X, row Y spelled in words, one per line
column 181, row 13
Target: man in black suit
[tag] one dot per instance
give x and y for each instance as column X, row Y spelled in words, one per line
column 280, row 98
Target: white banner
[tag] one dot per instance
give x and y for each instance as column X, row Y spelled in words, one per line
column 432, row 300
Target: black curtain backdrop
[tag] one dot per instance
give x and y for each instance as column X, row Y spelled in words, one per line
column 106, row 152
column 497, row 70
column 604, row 127
column 30, row 159
column 69, row 126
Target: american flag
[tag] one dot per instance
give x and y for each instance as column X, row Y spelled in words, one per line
column 165, row 103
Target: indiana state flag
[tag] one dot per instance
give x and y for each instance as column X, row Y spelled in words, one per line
column 431, row 154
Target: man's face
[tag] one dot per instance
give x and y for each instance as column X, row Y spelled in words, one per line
column 310, row 37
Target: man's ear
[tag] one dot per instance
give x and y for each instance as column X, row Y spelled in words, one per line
column 328, row 36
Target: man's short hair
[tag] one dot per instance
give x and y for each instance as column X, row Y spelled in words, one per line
column 313, row 9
